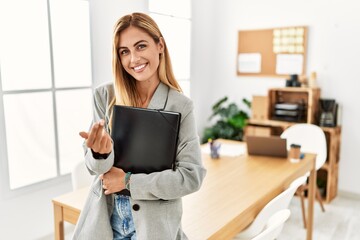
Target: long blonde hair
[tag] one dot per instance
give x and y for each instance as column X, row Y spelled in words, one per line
column 124, row 83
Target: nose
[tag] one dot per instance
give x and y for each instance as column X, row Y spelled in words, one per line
column 135, row 57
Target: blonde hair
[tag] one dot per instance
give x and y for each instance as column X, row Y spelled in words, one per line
column 124, row 84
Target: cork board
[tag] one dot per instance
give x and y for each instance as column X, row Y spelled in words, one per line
column 276, row 52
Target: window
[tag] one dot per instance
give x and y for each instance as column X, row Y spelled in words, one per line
column 45, row 87
column 174, row 15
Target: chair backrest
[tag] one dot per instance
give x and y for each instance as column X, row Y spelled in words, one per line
column 311, row 138
column 80, row 176
column 278, row 203
column 274, row 226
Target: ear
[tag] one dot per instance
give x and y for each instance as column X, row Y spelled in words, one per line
column 161, row 45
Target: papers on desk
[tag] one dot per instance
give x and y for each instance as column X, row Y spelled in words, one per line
column 230, row 150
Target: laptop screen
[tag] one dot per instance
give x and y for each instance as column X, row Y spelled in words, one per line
column 272, row 146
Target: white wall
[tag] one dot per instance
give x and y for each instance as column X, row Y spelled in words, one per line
column 28, row 213
column 333, row 52
column 202, row 59
column 104, row 14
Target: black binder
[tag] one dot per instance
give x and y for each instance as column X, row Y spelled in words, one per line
column 145, row 140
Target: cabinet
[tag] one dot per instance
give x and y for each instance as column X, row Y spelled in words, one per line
column 275, row 124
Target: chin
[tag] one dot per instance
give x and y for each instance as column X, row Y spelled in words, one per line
column 142, row 79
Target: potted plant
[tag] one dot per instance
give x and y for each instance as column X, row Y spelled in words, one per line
column 230, row 121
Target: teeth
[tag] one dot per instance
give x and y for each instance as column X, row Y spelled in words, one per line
column 139, row 67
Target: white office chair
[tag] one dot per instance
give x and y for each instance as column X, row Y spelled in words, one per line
column 274, row 226
column 80, row 176
column 278, row 203
column 312, row 140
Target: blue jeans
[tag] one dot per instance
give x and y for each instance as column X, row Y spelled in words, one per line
column 121, row 219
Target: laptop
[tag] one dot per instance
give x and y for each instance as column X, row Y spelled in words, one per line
column 145, row 140
column 272, row 146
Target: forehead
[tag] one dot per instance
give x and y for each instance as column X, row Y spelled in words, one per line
column 132, row 35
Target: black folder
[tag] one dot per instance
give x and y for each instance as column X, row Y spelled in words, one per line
column 145, row 140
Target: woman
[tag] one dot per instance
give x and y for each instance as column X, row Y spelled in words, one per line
column 149, row 205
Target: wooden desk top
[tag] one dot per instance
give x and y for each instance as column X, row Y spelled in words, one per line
column 235, row 189
column 73, row 200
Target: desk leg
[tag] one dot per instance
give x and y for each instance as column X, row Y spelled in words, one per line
column 311, row 200
column 59, row 222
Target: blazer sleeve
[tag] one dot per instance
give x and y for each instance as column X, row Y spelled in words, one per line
column 99, row 166
column 187, row 177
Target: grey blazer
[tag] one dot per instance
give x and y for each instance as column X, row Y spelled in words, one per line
column 156, row 197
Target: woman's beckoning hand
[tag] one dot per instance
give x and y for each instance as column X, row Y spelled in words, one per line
column 98, row 139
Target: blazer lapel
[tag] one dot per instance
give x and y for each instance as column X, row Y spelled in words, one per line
column 159, row 99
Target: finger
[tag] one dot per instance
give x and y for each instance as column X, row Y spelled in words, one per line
column 101, row 176
column 102, row 144
column 108, row 145
column 102, row 122
column 84, row 135
column 100, row 132
column 99, row 138
column 92, row 135
column 96, row 134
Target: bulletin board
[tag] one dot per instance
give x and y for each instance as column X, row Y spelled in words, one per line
column 276, row 52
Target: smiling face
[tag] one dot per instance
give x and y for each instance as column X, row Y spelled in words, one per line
column 139, row 54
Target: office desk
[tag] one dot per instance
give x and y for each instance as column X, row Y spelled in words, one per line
column 67, row 208
column 234, row 191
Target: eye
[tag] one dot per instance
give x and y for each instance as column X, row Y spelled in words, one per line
column 141, row 46
column 123, row 52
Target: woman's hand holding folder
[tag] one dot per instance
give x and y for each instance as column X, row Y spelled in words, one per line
column 98, row 139
column 110, row 180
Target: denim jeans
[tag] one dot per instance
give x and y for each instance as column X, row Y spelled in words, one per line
column 121, row 219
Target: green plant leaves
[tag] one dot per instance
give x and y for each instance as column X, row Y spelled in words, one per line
column 246, row 102
column 217, row 105
column 238, row 121
column 230, row 123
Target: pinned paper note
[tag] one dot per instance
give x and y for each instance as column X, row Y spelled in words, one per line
column 249, row 62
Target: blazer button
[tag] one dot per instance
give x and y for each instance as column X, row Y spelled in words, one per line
column 136, row 207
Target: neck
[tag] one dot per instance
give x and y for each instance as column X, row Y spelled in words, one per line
column 146, row 90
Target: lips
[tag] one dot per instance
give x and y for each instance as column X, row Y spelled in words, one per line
column 139, row 68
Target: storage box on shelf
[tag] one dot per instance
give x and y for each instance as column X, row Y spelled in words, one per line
column 276, row 124
column 293, row 104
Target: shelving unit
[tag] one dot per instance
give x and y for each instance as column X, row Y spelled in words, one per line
column 331, row 165
column 306, row 98
column 328, row 173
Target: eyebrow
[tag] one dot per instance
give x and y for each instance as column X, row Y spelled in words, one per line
column 135, row 43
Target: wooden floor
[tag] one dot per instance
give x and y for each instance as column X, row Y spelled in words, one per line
column 341, row 221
